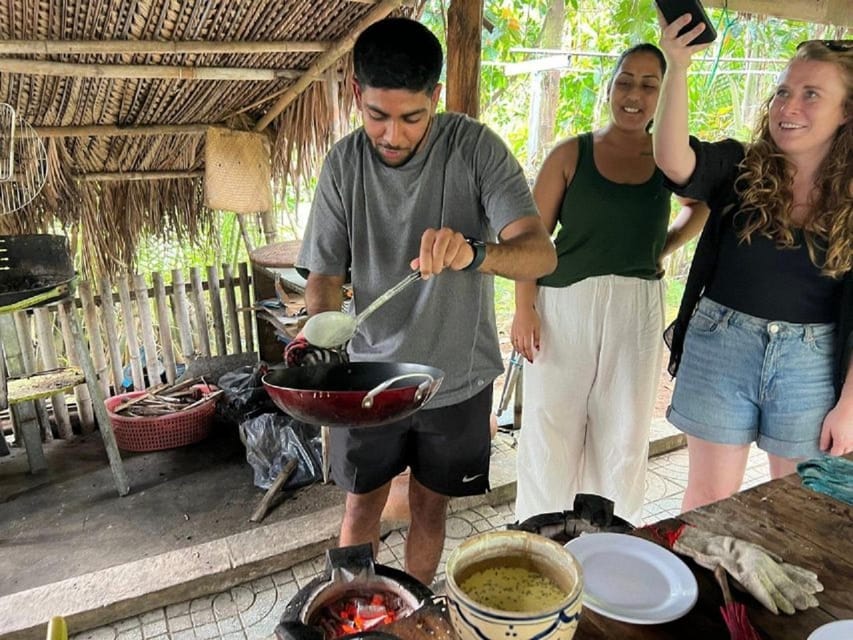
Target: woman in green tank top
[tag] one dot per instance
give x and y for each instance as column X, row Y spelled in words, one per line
column 591, row 331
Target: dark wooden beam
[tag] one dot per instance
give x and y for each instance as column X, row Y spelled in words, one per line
column 464, row 47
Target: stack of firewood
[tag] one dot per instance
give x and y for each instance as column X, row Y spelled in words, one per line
column 162, row 400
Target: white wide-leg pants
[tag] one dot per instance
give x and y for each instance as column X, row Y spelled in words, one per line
column 589, row 395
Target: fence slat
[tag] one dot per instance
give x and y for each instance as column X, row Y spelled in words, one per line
column 246, row 303
column 143, row 306
column 231, row 308
column 180, row 310
column 93, row 328
column 201, row 316
column 81, row 392
column 216, row 309
column 25, row 339
column 166, row 349
column 108, row 313
column 47, row 349
column 130, row 333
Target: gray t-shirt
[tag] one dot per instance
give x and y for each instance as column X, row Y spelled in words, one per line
column 370, row 217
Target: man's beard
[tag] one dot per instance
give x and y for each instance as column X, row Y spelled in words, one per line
column 411, row 155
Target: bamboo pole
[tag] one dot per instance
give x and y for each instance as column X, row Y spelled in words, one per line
column 144, row 71
column 143, row 306
column 216, row 309
column 118, row 176
column 166, row 348
column 326, row 60
column 25, row 338
column 108, row 313
column 246, row 303
column 47, row 348
column 81, row 392
column 124, row 47
column 24, row 415
column 96, row 343
column 334, row 100
column 130, row 331
column 200, row 314
column 113, row 130
column 97, row 398
column 231, row 308
column 244, row 232
column 180, row 309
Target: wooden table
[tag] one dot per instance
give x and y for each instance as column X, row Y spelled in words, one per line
column 804, row 527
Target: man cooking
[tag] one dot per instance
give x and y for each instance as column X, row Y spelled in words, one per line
column 412, row 189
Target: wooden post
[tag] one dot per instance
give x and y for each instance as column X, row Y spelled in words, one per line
column 200, row 313
column 263, row 283
column 231, row 308
column 108, row 313
column 180, row 309
column 268, row 224
column 464, row 46
column 22, row 326
column 82, row 396
column 78, row 347
column 24, row 415
column 96, row 344
column 44, row 333
column 246, row 303
column 130, row 330
column 216, row 309
column 166, row 348
column 143, row 306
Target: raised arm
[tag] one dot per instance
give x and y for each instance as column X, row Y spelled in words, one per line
column 671, row 131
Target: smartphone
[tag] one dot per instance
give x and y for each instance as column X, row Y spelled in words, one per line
column 672, row 9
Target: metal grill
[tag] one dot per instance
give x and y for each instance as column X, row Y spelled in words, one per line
column 23, row 161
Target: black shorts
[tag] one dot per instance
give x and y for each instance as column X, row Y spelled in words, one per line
column 447, row 450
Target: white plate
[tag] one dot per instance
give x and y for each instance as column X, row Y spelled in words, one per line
column 838, row 630
column 633, row 580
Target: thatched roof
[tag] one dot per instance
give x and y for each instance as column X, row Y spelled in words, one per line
column 86, row 74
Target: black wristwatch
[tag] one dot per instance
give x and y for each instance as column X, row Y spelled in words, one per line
column 479, row 248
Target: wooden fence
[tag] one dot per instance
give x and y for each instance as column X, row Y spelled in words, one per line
column 138, row 332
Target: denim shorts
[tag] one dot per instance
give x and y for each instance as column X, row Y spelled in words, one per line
column 744, row 379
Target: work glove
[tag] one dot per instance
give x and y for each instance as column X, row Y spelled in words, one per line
column 774, row 583
column 299, row 353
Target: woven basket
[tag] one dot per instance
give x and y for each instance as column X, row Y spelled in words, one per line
column 177, row 429
column 237, row 173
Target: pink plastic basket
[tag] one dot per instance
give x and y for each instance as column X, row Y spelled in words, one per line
column 178, row 429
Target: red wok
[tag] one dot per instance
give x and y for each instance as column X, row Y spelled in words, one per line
column 354, row 394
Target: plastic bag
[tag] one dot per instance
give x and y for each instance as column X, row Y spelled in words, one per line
column 244, row 394
column 272, row 439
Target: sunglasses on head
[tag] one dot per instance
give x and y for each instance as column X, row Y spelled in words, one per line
column 844, row 46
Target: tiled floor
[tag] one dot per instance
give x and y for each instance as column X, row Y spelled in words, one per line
column 252, row 610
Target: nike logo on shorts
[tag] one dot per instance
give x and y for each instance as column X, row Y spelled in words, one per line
column 467, row 478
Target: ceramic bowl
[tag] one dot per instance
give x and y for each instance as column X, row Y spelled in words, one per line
column 475, row 621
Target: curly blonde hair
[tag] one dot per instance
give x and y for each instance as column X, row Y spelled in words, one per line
column 764, row 183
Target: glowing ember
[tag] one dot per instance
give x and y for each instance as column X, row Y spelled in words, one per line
column 355, row 613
